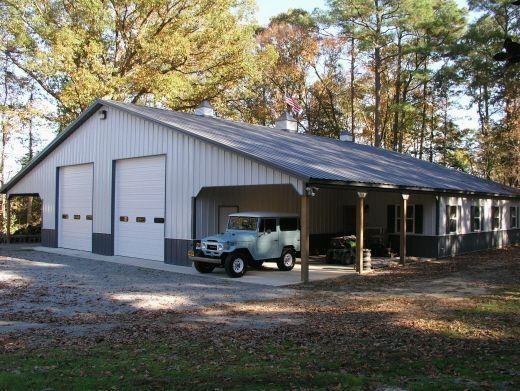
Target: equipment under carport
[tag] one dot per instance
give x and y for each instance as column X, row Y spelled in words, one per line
column 342, row 249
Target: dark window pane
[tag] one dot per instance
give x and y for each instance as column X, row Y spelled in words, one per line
column 65, row 216
column 267, row 225
column 88, row 217
column 158, row 220
column 288, row 224
column 77, row 217
column 124, row 219
column 140, row 219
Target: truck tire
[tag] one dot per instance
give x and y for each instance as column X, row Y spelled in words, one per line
column 235, row 265
column 287, row 261
column 203, row 267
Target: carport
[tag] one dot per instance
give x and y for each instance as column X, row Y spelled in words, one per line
column 378, row 218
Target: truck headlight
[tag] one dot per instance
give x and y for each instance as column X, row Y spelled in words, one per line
column 220, row 246
column 203, row 245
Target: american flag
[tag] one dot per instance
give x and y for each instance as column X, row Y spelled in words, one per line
column 293, row 103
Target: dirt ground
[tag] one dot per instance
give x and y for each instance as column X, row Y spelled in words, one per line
column 45, row 293
column 449, row 324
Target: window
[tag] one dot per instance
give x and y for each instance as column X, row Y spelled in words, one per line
column 513, row 216
column 410, row 218
column 140, row 219
column 267, row 225
column 288, row 224
column 477, row 214
column 495, row 217
column 452, row 219
column 414, row 218
column 65, row 216
column 77, row 217
column 242, row 223
column 89, row 217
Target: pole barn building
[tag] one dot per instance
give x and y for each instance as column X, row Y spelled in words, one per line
column 130, row 180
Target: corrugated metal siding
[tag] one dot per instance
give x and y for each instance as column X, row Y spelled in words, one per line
column 281, row 198
column 327, row 213
column 466, row 203
column 190, row 165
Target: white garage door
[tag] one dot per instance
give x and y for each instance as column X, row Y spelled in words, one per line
column 139, row 208
column 75, row 207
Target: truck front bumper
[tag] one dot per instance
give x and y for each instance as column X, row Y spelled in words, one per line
column 214, row 261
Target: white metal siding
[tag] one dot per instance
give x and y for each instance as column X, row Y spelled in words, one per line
column 75, row 204
column 466, row 203
column 139, row 193
column 191, row 165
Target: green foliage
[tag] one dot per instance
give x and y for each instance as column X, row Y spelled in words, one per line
column 173, row 54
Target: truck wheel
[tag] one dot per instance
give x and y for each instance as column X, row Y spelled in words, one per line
column 203, row 267
column 287, row 261
column 235, row 265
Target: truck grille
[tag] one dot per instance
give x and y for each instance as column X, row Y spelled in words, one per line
column 211, row 246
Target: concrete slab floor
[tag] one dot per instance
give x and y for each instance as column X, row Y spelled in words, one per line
column 269, row 275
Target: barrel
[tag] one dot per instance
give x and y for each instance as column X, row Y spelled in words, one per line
column 367, row 260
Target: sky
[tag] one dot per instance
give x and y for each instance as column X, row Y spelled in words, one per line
column 269, row 8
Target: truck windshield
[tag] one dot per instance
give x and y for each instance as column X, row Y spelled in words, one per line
column 242, row 223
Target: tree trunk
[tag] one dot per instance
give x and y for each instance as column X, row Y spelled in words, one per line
column 423, row 114
column 352, row 88
column 377, row 80
column 377, row 95
column 397, row 95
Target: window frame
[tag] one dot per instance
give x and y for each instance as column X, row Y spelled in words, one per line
column 513, row 215
column 397, row 227
column 474, row 209
column 449, row 219
column 494, row 219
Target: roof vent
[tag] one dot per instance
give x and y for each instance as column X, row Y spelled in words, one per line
column 287, row 122
column 205, row 109
column 346, row 136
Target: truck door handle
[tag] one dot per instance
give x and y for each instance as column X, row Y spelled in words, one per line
column 275, row 240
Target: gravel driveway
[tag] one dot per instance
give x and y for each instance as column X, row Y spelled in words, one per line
column 40, row 289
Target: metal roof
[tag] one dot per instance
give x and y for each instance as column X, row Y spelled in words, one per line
column 312, row 158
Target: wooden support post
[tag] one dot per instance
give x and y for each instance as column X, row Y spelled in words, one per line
column 304, row 239
column 8, row 210
column 360, row 225
column 404, row 204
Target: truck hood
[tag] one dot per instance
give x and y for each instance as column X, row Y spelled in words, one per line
column 232, row 236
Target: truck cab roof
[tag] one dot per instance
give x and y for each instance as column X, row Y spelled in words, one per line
column 264, row 214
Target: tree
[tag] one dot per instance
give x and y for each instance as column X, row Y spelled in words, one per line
column 494, row 89
column 370, row 23
column 173, row 53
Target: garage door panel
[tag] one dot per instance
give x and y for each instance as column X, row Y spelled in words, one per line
column 75, row 199
column 140, row 192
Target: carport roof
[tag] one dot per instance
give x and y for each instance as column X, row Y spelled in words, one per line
column 312, row 158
